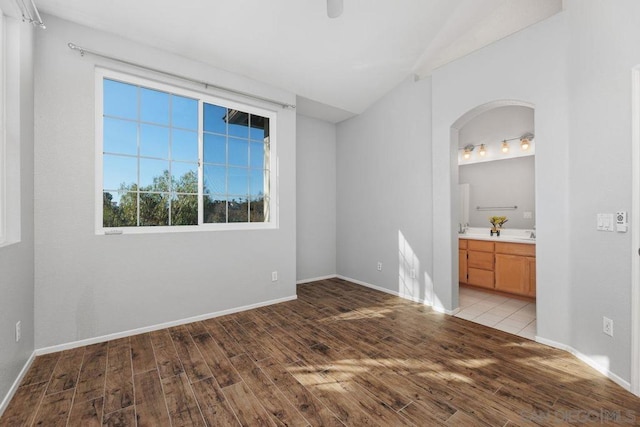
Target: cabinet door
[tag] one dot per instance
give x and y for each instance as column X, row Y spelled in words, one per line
column 482, row 260
column 479, row 277
column 532, row 276
column 512, row 274
column 462, row 266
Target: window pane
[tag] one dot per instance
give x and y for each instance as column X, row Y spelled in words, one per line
column 154, row 106
column 258, row 209
column 185, row 177
column 215, row 209
column 184, row 145
column 119, row 210
column 120, row 136
column 184, row 210
column 238, row 123
column 257, row 130
column 238, row 181
column 239, row 152
column 184, row 112
column 215, row 149
column 120, row 99
column 214, row 118
column 154, row 209
column 154, row 141
column 258, row 152
column 154, row 175
column 238, row 210
column 257, row 183
column 119, row 172
column 215, row 179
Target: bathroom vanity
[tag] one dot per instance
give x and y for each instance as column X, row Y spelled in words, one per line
column 505, row 264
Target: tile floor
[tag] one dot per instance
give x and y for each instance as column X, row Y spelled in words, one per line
column 510, row 315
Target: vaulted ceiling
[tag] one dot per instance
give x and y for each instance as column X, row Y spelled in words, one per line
column 337, row 67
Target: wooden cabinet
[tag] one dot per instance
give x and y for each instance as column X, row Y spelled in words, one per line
column 505, row 267
column 515, row 268
column 462, row 265
column 480, row 263
column 462, row 261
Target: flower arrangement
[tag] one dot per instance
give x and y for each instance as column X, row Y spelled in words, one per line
column 497, row 222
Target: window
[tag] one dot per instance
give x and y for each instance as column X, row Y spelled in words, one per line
column 173, row 158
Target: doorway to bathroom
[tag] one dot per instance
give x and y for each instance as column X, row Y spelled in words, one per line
column 496, row 220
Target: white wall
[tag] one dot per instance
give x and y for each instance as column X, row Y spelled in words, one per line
column 486, row 77
column 316, row 198
column 88, row 285
column 16, row 260
column 384, row 192
column 578, row 78
column 603, row 50
column 509, row 182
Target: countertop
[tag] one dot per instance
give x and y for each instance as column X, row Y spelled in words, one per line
column 505, row 238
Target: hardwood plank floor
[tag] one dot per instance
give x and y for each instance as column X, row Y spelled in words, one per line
column 341, row 354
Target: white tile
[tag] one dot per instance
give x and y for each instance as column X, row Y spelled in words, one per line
column 463, row 314
column 488, row 319
column 526, row 333
column 514, row 323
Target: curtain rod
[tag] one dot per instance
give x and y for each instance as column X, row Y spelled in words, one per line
column 83, row 51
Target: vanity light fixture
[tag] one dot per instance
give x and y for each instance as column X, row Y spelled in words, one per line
column 505, row 146
column 467, row 151
column 525, row 141
column 482, row 150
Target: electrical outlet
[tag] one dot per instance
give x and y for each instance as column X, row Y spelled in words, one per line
column 18, row 331
column 274, row 276
column 379, row 266
column 607, row 326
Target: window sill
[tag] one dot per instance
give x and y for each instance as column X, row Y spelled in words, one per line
column 184, row 229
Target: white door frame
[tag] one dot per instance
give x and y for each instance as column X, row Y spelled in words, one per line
column 635, row 234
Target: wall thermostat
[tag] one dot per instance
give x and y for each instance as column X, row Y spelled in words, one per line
column 621, row 222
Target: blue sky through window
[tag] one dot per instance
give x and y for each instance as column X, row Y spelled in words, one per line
column 147, row 132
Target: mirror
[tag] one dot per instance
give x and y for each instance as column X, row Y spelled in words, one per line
column 493, row 181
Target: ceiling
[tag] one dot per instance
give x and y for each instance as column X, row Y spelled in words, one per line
column 336, row 67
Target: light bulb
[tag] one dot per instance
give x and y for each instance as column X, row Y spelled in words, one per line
column 483, row 150
column 524, row 144
column 505, row 146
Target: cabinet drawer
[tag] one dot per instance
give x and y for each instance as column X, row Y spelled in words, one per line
column 480, row 245
column 462, row 243
column 522, row 249
column 483, row 260
column 479, row 277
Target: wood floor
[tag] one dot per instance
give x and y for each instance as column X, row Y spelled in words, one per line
column 341, row 354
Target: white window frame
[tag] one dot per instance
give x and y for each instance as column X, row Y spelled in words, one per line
column 202, row 97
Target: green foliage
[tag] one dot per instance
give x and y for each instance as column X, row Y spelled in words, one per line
column 178, row 198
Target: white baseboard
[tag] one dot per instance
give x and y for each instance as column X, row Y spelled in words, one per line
column 152, row 328
column 315, row 279
column 398, row 294
column 16, row 383
column 604, row 370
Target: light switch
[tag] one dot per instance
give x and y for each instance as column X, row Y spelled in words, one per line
column 605, row 222
column 527, row 215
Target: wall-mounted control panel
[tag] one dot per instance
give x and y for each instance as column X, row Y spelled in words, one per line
column 613, row 222
column 621, row 222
